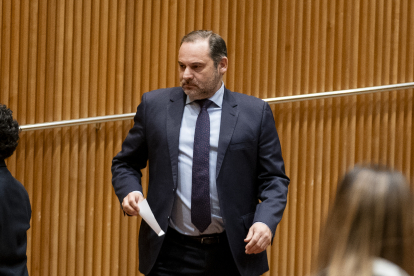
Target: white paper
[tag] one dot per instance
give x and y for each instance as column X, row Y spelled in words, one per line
column 146, row 213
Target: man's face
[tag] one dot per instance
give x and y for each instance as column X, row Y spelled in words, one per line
column 199, row 78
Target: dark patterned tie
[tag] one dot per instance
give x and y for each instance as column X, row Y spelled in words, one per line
column 200, row 193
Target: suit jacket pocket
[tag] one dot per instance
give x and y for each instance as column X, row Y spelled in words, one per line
column 248, row 220
column 242, row 145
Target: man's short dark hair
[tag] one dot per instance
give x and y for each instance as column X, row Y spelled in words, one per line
column 9, row 132
column 218, row 48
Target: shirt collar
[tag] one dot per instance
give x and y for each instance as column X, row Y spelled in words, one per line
column 217, row 98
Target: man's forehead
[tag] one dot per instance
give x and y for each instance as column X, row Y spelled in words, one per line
column 198, row 49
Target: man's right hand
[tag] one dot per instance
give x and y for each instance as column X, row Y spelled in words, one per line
column 130, row 203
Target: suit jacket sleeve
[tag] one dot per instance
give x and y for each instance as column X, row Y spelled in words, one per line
column 127, row 164
column 273, row 182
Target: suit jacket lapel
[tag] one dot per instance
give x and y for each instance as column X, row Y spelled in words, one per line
column 175, row 109
column 229, row 116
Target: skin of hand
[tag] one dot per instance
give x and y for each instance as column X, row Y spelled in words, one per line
column 258, row 238
column 130, row 203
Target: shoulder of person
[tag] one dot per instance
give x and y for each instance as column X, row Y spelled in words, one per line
column 246, row 99
column 382, row 267
column 164, row 93
column 8, row 182
column 12, row 191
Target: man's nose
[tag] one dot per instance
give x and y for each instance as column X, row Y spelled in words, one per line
column 187, row 74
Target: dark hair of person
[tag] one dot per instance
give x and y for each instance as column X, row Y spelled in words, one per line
column 218, row 48
column 372, row 217
column 9, row 132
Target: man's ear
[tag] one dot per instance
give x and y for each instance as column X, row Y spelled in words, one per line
column 222, row 66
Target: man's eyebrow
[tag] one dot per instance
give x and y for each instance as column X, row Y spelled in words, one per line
column 192, row 63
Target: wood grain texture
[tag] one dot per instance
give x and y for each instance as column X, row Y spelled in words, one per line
column 67, row 59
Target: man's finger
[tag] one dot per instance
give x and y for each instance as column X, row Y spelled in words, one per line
column 129, row 210
column 252, row 243
column 250, row 247
column 130, row 203
column 249, row 235
column 259, row 246
column 133, row 202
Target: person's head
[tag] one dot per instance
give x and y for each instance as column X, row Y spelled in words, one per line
column 372, row 216
column 202, row 61
column 9, row 132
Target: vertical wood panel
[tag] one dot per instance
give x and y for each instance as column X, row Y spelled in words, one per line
column 66, row 59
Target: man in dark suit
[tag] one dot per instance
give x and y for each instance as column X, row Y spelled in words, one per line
column 15, row 210
column 217, row 184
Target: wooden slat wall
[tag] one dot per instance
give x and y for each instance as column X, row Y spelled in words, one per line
column 74, row 59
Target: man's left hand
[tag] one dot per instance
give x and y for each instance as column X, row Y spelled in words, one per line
column 258, row 238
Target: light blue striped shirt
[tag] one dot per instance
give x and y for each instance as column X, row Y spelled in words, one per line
column 181, row 215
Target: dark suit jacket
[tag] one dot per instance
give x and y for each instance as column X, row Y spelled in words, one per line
column 15, row 213
column 249, row 168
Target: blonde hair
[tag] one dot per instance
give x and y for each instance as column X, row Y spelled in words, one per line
column 372, row 216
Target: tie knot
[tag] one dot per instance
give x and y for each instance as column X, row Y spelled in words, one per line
column 204, row 104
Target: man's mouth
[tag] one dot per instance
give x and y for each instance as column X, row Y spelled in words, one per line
column 188, row 85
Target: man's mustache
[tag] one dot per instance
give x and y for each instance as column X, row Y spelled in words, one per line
column 188, row 83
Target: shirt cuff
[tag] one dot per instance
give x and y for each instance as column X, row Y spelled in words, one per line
column 137, row 192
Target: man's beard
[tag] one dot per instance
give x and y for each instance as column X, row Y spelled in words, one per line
column 198, row 91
